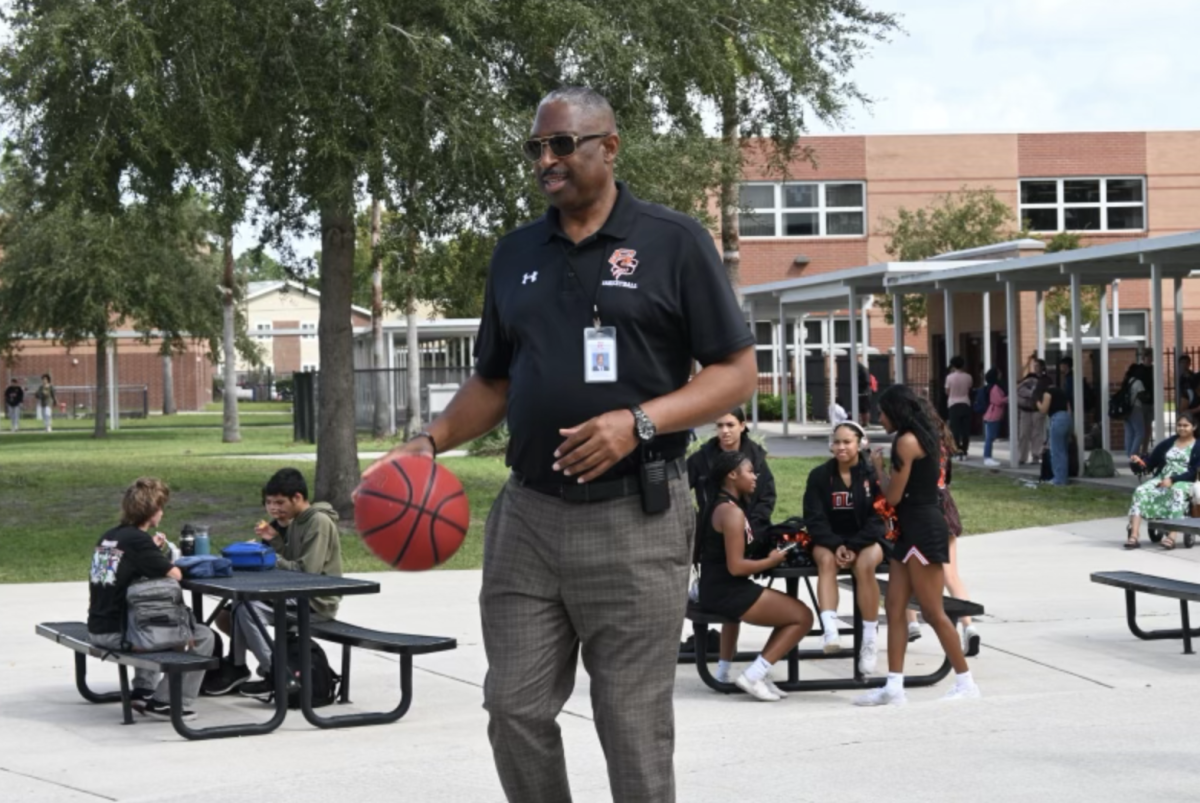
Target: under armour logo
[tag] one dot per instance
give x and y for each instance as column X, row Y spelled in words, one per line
column 529, row 277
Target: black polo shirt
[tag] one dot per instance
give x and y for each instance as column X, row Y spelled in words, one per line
column 660, row 282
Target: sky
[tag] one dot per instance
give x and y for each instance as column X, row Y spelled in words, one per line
column 1031, row 65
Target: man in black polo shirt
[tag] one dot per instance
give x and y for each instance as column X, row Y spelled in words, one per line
column 593, row 316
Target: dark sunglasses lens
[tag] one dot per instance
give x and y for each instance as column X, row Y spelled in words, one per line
column 562, row 145
column 532, row 149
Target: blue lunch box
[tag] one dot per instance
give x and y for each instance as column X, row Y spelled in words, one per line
column 250, row 556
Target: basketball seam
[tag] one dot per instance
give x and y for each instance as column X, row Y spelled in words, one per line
column 428, row 490
column 435, row 517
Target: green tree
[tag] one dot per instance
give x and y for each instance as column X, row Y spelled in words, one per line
column 256, row 265
column 1058, row 299
column 969, row 218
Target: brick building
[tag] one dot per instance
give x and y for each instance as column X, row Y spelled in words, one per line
column 829, row 214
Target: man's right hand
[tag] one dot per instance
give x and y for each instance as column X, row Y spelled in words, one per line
column 420, row 446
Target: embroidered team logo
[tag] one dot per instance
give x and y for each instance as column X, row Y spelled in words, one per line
column 623, row 261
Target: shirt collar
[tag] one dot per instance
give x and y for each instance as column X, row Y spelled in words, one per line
column 620, row 219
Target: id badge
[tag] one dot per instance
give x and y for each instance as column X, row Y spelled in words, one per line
column 600, row 354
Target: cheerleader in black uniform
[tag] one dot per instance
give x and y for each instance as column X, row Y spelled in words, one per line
column 923, row 547
column 725, row 585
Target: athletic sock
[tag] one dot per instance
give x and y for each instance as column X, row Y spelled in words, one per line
column 723, row 668
column 870, row 630
column 963, row 679
column 757, row 670
column 829, row 622
column 895, row 683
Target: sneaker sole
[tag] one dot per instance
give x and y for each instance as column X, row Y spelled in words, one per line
column 913, row 637
column 165, row 716
column 748, row 689
column 832, row 647
column 229, row 689
column 896, row 701
column 973, row 643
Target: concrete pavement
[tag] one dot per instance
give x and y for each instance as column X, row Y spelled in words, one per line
column 1075, row 708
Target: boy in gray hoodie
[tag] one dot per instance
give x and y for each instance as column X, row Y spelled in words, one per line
column 309, row 542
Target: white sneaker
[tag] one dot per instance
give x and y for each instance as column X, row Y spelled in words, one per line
column 881, row 696
column 833, row 642
column 971, row 641
column 771, row 687
column 868, row 657
column 756, row 689
column 970, row 692
column 991, row 463
column 914, row 631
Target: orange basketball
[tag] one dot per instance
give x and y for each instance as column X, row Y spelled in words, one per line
column 412, row 513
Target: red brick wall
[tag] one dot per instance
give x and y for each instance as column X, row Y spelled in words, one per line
column 137, row 364
column 1082, row 154
column 286, row 349
column 822, row 159
column 772, row 259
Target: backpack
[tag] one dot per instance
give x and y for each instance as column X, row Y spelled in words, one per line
column 325, row 682
column 983, row 399
column 1120, row 404
column 1072, row 461
column 156, row 618
column 1025, row 393
column 1099, row 464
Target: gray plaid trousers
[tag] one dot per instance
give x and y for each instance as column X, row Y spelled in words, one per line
column 605, row 577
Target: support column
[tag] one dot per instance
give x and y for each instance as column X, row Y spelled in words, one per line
column 1077, row 359
column 951, row 348
column 866, row 326
column 853, row 361
column 1105, row 424
column 830, row 361
column 802, row 371
column 987, row 332
column 796, row 360
column 754, row 398
column 1041, row 325
column 1116, row 310
column 898, row 336
column 1014, row 343
column 1178, row 342
column 783, row 367
column 1156, row 311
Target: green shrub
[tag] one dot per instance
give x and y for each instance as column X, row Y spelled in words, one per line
column 770, row 407
column 493, row 444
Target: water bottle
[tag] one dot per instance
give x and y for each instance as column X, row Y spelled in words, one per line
column 202, row 543
column 187, row 540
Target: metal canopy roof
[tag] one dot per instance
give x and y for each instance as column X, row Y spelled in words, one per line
column 1177, row 255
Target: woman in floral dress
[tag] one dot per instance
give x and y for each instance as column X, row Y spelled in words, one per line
column 1173, row 464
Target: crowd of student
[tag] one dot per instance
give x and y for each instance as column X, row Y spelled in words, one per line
column 860, row 509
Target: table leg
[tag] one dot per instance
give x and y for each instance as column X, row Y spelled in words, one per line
column 279, row 656
column 858, row 626
column 793, row 657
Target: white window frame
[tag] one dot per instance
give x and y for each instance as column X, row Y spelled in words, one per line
column 306, row 368
column 1060, row 206
column 309, row 327
column 777, row 211
column 1063, row 340
column 262, row 331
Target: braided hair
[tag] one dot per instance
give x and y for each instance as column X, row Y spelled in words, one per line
column 724, row 464
column 903, row 408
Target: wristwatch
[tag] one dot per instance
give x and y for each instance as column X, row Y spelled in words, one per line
column 429, row 437
column 642, row 425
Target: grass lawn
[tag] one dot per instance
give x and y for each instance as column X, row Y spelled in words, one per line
column 58, row 492
column 186, row 420
column 251, row 407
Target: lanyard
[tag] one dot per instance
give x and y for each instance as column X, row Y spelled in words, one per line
column 579, row 281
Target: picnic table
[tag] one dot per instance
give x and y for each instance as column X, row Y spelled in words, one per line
column 276, row 587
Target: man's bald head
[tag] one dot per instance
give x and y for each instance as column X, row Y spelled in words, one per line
column 593, row 107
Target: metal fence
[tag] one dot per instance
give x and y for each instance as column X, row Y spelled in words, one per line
column 79, row 401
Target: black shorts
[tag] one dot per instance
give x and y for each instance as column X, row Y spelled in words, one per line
column 924, row 536
column 725, row 595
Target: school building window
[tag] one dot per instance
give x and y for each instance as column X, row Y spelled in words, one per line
column 262, row 331
column 309, row 330
column 1131, row 325
column 1084, row 204
column 803, row 209
column 816, row 334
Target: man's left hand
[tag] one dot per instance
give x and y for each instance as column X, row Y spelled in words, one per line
column 595, row 446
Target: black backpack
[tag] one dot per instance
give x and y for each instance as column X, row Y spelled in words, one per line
column 325, row 682
column 1120, row 405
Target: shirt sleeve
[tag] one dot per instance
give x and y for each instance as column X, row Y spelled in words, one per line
column 493, row 349
column 716, row 326
column 147, row 558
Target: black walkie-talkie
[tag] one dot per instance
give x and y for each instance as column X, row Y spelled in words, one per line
column 656, row 493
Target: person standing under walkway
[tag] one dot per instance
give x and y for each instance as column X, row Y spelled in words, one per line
column 958, row 403
column 1031, row 423
column 588, row 545
column 1135, row 420
column 14, row 397
column 997, row 406
column 1055, row 404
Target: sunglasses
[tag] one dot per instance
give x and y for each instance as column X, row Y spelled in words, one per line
column 561, row 145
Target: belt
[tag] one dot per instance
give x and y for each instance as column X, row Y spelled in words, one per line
column 589, row 492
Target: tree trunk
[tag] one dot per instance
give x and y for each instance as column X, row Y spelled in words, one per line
column 412, row 341
column 384, row 420
column 730, row 173
column 168, row 384
column 100, row 430
column 232, row 432
column 337, row 450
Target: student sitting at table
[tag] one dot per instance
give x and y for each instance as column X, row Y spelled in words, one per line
column 846, row 532
column 725, row 585
column 123, row 555
column 310, row 543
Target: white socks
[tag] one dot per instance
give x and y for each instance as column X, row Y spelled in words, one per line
column 870, row 630
column 963, row 680
column 895, row 683
column 757, row 670
column 723, row 670
column 829, row 621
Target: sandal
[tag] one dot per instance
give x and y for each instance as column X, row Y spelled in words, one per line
column 1131, row 540
column 1167, row 543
